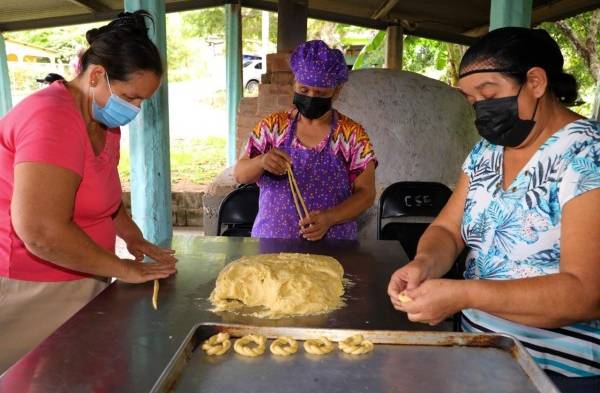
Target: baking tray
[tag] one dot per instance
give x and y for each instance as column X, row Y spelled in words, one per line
column 401, row 362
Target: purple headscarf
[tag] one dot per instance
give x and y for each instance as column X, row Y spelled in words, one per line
column 315, row 64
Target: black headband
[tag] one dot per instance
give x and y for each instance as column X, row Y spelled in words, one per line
column 481, row 70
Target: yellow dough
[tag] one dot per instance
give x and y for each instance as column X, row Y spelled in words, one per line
column 404, row 298
column 218, row 344
column 356, row 345
column 284, row 346
column 241, row 345
column 280, row 285
column 318, row 346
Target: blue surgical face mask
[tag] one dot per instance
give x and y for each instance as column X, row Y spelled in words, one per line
column 117, row 112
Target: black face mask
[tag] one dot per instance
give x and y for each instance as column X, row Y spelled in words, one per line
column 312, row 107
column 497, row 120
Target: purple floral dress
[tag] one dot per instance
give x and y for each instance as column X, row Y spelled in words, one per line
column 324, row 182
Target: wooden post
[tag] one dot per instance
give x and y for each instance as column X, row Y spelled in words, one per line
column 5, row 95
column 149, row 144
column 393, row 47
column 233, row 72
column 515, row 13
column 292, row 16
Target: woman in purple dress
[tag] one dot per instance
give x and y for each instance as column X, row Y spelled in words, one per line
column 330, row 154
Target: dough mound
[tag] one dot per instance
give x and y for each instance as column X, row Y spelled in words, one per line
column 280, row 285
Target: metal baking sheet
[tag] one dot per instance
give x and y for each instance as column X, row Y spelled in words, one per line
column 401, row 362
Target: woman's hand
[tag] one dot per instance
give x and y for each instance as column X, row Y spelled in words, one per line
column 315, row 226
column 141, row 248
column 137, row 272
column 435, row 300
column 408, row 277
column 275, row 161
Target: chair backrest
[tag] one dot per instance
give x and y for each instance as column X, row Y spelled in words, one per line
column 238, row 211
column 409, row 199
column 413, row 199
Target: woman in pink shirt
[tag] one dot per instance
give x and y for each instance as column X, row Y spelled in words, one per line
column 60, row 194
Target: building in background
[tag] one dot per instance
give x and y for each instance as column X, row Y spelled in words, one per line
column 27, row 63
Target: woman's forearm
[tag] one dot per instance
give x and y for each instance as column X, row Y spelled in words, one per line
column 68, row 246
column 438, row 250
column 248, row 170
column 126, row 228
column 352, row 207
column 362, row 197
column 549, row 301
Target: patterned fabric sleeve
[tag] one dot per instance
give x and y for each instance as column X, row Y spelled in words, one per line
column 352, row 141
column 362, row 154
column 581, row 174
column 268, row 133
column 473, row 158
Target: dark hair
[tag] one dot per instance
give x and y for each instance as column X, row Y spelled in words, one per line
column 515, row 50
column 50, row 78
column 122, row 47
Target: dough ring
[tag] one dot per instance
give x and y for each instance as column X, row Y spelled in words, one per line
column 404, row 298
column 356, row 345
column 241, row 345
column 284, row 346
column 217, row 344
column 319, row 346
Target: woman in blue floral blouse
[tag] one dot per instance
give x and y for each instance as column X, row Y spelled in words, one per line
column 527, row 205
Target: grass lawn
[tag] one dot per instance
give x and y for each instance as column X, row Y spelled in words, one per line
column 194, row 162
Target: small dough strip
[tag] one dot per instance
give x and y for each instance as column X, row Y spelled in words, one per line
column 155, row 295
column 296, row 193
column 404, row 298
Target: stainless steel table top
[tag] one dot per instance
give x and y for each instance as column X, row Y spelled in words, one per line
column 119, row 343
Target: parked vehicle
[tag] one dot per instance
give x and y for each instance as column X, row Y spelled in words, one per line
column 251, row 73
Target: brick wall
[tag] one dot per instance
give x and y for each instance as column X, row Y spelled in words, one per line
column 187, row 209
column 275, row 94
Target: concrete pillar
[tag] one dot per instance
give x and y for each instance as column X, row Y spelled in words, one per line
column 5, row 95
column 291, row 24
column 393, row 47
column 265, row 37
column 149, row 144
column 515, row 13
column 233, row 72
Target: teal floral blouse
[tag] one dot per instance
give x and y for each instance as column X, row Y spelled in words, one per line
column 515, row 233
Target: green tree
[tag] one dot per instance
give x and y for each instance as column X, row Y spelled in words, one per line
column 372, row 53
column 579, row 39
column 204, row 23
column 332, row 33
column 210, row 22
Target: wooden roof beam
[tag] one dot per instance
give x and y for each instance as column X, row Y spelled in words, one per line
column 384, row 9
column 92, row 5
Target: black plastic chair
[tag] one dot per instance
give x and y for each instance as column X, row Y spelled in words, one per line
column 415, row 199
column 238, row 211
column 409, row 199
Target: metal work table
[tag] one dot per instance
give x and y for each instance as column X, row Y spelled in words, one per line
column 119, row 343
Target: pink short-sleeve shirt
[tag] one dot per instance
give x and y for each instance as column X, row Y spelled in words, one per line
column 47, row 127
